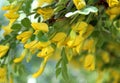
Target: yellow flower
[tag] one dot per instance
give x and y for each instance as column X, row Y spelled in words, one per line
column 46, row 13
column 17, row 60
column 113, row 12
column 78, row 39
column 34, row 45
column 43, row 44
column 59, row 38
column 3, row 50
column 105, row 56
column 88, row 31
column 44, row 2
column 12, row 8
column 45, row 51
column 24, row 36
column 89, row 63
column 71, row 38
column 79, row 47
column 31, row 46
column 89, row 45
column 8, row 7
column 79, row 4
column 40, row 27
column 11, row 15
column 80, row 27
column 42, row 67
column 3, row 75
column 112, row 3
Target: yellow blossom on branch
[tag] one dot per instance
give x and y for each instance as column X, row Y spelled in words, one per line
column 59, row 38
column 31, row 46
column 89, row 45
column 113, row 12
column 89, row 63
column 79, row 4
column 3, row 50
column 46, row 13
column 19, row 59
column 46, row 51
column 112, row 3
column 24, row 36
column 40, row 27
column 11, row 15
column 42, row 67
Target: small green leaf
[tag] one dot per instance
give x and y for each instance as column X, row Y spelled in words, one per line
column 58, row 63
column 43, row 38
column 64, row 71
column 58, row 71
column 26, row 22
column 64, row 57
column 40, row 33
column 16, row 27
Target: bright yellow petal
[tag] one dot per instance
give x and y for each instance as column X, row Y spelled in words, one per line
column 11, row 15
column 89, row 63
column 79, row 4
column 42, row 67
column 40, row 26
column 59, row 36
column 113, row 3
column 3, row 50
column 45, row 12
column 45, row 51
column 17, row 60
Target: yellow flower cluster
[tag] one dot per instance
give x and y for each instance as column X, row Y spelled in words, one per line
column 12, row 15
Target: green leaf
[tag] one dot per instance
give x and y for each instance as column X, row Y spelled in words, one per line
column 16, row 27
column 64, row 64
column 58, row 71
column 27, row 6
column 64, row 57
column 58, row 63
column 43, row 38
column 64, row 71
column 40, row 33
column 26, row 22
